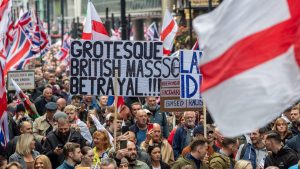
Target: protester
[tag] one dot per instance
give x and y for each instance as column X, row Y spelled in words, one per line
column 282, row 157
column 61, row 104
column 20, row 114
column 184, row 134
column 154, row 137
column 294, row 143
column 195, row 158
column 87, row 158
column 243, row 164
column 156, row 115
column 130, row 154
column 3, row 162
column 25, row 153
column 155, row 154
column 281, row 126
column 108, row 164
column 255, row 152
column 72, row 155
column 222, row 159
column 77, row 124
column 295, row 116
column 140, row 127
column 44, row 124
column 42, row 100
column 123, row 164
column 42, row 162
column 55, row 141
column 117, row 126
column 102, row 146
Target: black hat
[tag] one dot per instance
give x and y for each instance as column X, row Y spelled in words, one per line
column 51, row 106
column 198, row 130
column 77, row 96
column 20, row 107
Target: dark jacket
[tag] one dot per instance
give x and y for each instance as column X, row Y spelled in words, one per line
column 183, row 161
column 11, row 146
column 294, row 130
column 179, row 141
column 40, row 104
column 65, row 165
column 20, row 159
column 160, row 118
column 294, row 143
column 285, row 158
column 53, row 140
column 162, row 165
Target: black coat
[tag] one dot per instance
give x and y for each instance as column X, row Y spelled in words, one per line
column 285, row 158
column 40, row 104
column 53, row 140
column 162, row 165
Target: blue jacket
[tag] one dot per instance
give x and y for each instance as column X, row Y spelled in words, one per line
column 179, row 141
column 249, row 154
column 294, row 143
column 65, row 165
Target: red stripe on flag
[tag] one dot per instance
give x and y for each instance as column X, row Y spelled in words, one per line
column 167, row 30
column 166, row 51
column 99, row 27
column 86, row 36
column 246, row 54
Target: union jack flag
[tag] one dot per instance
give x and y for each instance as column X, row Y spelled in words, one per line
column 196, row 46
column 62, row 55
column 4, row 133
column 152, row 32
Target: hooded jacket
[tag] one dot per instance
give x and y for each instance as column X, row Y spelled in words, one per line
column 285, row 158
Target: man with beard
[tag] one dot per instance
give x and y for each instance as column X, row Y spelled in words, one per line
column 77, row 124
column 295, row 116
column 140, row 127
column 72, row 154
column 184, row 134
column 130, row 154
column 156, row 115
column 55, row 140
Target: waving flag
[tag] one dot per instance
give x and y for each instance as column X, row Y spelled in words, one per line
column 3, row 6
column 115, row 34
column 64, row 50
column 93, row 27
column 4, row 135
column 29, row 106
column 20, row 49
column 168, row 33
column 251, row 67
column 152, row 32
column 196, row 46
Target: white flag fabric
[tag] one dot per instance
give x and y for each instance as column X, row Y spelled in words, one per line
column 93, row 27
column 251, row 66
column 168, row 32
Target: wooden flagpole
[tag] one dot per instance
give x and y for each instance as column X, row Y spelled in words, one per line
column 116, row 106
column 204, row 120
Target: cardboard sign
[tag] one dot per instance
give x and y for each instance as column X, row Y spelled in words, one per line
column 24, row 78
column 190, row 77
column 138, row 66
column 170, row 91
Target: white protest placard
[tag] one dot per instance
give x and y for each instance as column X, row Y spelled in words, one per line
column 24, row 78
column 137, row 63
column 190, row 77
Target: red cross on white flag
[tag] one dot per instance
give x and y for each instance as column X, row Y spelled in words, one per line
column 251, row 67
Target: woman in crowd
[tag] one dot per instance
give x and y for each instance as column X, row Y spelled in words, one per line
column 243, row 164
column 25, row 153
column 13, row 165
column 42, row 162
column 155, row 156
column 87, row 158
column 102, row 146
column 281, row 127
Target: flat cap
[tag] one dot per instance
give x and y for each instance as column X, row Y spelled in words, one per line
column 52, row 106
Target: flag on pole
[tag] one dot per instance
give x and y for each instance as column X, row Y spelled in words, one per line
column 5, row 4
column 4, row 132
column 168, row 33
column 29, row 106
column 93, row 27
column 251, row 67
column 64, row 50
column 115, row 34
column 152, row 32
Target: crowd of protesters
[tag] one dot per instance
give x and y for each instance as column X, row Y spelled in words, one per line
column 66, row 134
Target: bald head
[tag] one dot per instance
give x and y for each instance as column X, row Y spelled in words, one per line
column 141, row 118
column 61, row 104
column 47, row 93
column 156, row 133
column 25, row 127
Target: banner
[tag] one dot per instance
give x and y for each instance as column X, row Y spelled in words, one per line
column 137, row 64
column 24, row 79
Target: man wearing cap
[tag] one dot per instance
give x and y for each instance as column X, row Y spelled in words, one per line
column 44, row 124
column 42, row 100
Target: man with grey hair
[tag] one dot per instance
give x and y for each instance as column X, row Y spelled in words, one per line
column 140, row 127
column 108, row 163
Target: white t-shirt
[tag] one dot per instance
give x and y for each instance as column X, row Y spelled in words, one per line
column 156, row 168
